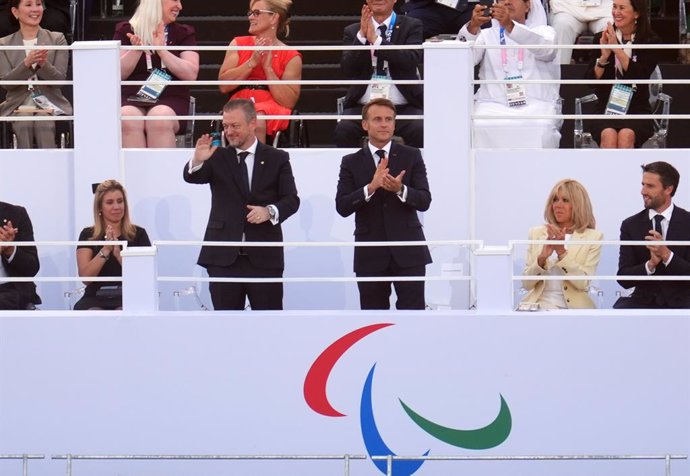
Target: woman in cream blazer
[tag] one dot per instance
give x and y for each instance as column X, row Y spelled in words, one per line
column 569, row 217
column 25, row 64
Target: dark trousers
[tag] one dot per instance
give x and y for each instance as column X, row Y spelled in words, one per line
column 351, row 134
column 10, row 299
column 650, row 302
column 377, row 295
column 438, row 19
column 232, row 296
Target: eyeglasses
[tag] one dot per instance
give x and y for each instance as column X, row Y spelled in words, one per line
column 256, row 13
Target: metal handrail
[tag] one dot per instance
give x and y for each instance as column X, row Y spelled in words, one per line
column 25, row 460
column 345, row 457
column 667, row 458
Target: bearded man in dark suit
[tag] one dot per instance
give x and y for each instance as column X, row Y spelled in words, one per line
column 17, row 261
column 384, row 184
column 660, row 220
column 252, row 192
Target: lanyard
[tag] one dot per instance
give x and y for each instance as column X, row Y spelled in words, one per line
column 504, row 52
column 149, row 62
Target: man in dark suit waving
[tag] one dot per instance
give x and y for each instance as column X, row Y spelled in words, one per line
column 660, row 220
column 379, row 25
column 252, row 193
column 384, row 184
column 17, row 261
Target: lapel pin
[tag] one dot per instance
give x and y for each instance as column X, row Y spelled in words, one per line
column 262, row 162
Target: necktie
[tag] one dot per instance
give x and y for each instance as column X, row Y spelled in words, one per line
column 244, row 174
column 381, row 153
column 657, row 224
column 380, row 71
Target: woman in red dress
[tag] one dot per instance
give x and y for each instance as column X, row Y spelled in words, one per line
column 268, row 19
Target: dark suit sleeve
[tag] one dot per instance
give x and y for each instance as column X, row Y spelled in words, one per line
column 352, row 63
column 349, row 196
column 628, row 263
column 25, row 262
column 203, row 175
column 288, row 202
column 418, row 194
column 413, row 36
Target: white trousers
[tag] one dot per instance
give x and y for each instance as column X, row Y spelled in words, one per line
column 524, row 133
column 568, row 28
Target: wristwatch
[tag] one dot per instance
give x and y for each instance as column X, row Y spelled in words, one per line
column 602, row 65
column 103, row 255
column 271, row 212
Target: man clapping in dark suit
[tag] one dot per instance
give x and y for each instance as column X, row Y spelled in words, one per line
column 660, row 220
column 252, row 193
column 17, row 261
column 379, row 25
column 384, row 185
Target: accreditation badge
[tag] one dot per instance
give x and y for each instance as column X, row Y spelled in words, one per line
column 45, row 104
column 379, row 89
column 515, row 92
column 619, row 100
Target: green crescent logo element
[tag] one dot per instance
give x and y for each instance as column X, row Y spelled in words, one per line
column 490, row 436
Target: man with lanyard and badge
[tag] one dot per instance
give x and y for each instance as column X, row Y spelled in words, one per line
column 514, row 23
column 380, row 26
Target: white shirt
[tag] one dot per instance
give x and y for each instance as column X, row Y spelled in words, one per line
column 386, row 148
column 552, row 297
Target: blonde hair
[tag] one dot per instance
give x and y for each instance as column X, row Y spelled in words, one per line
column 281, row 8
column 126, row 226
column 576, row 193
column 146, row 19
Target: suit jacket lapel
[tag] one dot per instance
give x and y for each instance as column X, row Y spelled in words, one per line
column 259, row 165
column 675, row 226
column 396, row 30
column 17, row 56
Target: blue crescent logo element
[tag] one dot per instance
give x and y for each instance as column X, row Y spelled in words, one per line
column 372, row 437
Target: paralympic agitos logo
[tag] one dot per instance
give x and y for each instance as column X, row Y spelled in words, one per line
column 315, row 396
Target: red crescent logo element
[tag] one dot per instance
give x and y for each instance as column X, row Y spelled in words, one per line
column 317, row 377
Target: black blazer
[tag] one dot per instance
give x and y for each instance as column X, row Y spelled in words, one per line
column 402, row 63
column 272, row 183
column 385, row 217
column 25, row 262
column 641, row 66
column 632, row 259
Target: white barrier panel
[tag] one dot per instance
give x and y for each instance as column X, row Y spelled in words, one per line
column 512, row 187
column 107, row 383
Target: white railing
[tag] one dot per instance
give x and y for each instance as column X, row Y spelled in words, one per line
column 24, row 459
column 389, row 459
column 491, row 269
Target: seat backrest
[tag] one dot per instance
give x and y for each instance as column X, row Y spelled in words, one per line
column 656, row 87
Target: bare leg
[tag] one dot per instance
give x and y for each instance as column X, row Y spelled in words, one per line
column 626, row 139
column 133, row 131
column 161, row 134
column 609, row 139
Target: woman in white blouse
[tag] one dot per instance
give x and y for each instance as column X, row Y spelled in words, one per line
column 515, row 22
column 569, row 218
